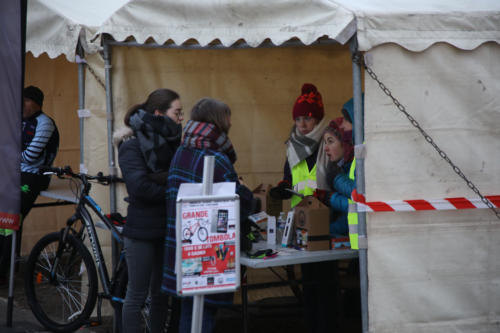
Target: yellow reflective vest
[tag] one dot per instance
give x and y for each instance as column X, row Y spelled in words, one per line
column 303, row 181
column 352, row 217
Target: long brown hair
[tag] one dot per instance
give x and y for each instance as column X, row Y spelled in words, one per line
column 210, row 110
column 160, row 99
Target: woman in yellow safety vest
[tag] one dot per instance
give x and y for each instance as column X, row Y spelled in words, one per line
column 302, row 146
column 300, row 173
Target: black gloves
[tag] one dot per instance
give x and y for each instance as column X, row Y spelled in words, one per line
column 279, row 192
column 323, row 196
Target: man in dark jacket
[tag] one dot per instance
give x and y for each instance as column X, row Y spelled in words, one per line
column 40, row 142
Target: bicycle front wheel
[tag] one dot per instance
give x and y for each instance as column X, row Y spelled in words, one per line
column 61, row 289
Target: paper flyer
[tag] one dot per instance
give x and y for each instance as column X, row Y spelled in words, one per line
column 208, row 258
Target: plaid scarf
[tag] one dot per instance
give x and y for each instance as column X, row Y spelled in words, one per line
column 203, row 135
column 159, row 137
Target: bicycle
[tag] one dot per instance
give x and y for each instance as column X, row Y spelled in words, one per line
column 201, row 232
column 61, row 265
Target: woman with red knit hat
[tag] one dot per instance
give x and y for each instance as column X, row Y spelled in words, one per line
column 301, row 173
column 302, row 146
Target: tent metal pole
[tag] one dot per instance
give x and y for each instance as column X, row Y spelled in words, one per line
column 10, row 298
column 111, row 155
column 207, row 187
column 81, row 101
column 109, row 116
column 360, row 185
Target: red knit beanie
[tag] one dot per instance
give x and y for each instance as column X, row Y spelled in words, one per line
column 309, row 103
column 344, row 136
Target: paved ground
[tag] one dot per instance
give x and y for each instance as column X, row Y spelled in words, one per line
column 272, row 315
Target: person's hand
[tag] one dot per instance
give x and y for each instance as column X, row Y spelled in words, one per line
column 323, row 196
column 279, row 192
column 240, row 180
column 357, row 197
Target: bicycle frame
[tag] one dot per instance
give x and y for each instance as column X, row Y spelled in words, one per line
column 83, row 214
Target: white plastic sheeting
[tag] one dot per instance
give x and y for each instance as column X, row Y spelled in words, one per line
column 433, row 271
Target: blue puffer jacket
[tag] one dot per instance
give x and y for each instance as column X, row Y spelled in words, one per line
column 339, row 204
column 343, row 186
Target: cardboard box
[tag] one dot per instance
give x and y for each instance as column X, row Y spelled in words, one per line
column 312, row 223
column 271, row 206
column 260, row 220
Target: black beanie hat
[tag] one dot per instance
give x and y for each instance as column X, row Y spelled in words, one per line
column 34, row 93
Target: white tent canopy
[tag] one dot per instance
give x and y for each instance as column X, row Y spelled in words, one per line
column 54, row 26
column 230, row 21
column 416, row 25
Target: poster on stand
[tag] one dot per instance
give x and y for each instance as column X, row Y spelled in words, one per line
column 208, row 251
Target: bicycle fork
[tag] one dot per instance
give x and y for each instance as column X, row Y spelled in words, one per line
column 60, row 248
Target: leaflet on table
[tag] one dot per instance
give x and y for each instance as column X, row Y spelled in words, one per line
column 208, row 245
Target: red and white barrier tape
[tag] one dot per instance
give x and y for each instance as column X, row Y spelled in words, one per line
column 437, row 204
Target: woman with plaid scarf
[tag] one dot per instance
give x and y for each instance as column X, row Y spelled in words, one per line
column 205, row 134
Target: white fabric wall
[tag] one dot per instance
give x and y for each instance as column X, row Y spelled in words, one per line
column 433, row 271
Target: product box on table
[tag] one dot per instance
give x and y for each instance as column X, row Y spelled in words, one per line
column 312, row 224
column 269, row 205
column 340, row 242
column 260, row 219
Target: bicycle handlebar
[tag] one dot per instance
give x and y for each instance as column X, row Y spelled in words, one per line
column 67, row 171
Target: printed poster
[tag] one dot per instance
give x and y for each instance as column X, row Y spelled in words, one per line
column 208, row 259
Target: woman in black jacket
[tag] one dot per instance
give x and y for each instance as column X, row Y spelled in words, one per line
column 146, row 147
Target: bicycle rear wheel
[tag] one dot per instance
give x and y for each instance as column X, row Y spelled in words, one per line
column 62, row 302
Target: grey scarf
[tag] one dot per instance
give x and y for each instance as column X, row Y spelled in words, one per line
column 159, row 137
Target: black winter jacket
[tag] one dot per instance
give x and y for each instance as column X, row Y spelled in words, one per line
column 147, row 212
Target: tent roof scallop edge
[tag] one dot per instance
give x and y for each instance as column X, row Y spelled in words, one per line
column 230, row 21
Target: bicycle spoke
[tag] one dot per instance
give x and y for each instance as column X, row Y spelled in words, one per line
column 71, row 303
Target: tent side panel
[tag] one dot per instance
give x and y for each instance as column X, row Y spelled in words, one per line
column 433, row 271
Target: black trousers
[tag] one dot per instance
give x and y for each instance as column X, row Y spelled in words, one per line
column 321, row 294
column 31, row 186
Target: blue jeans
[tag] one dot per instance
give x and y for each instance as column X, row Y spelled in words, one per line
column 208, row 323
column 144, row 262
